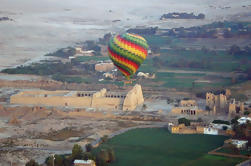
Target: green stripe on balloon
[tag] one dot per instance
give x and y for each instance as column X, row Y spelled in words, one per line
column 128, row 53
column 121, row 65
column 125, row 53
column 135, row 40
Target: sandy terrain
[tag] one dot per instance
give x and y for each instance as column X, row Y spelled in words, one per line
column 37, row 132
column 39, row 28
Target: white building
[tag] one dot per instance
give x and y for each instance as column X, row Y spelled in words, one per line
column 244, row 120
column 210, row 131
column 145, row 75
column 108, row 75
column 80, row 51
column 104, row 67
column 240, row 144
column 84, row 163
column 219, row 126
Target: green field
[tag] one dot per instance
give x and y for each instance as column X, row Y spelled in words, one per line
column 170, row 53
column 158, row 147
column 89, row 58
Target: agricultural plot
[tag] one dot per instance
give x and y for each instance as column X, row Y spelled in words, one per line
column 158, row 146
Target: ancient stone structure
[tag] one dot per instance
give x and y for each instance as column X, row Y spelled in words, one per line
column 235, row 107
column 228, row 93
column 221, row 104
column 188, row 107
column 188, row 103
column 82, row 99
column 216, row 102
column 182, row 129
column 193, row 129
column 81, row 52
column 104, row 67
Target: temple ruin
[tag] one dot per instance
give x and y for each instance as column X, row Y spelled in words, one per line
column 102, row 99
column 187, row 107
column 222, row 104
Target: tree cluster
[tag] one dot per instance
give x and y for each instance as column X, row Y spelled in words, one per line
column 143, row 31
column 92, row 45
column 105, row 39
column 42, row 69
column 237, row 51
column 221, row 122
column 32, row 163
column 224, row 29
column 6, row 19
column 63, row 52
column 176, row 15
column 101, row 157
column 184, row 121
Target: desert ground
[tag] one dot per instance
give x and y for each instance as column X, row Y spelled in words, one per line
column 37, row 131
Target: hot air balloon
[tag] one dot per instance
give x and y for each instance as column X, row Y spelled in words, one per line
column 127, row 52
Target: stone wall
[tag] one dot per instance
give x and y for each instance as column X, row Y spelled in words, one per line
column 181, row 129
column 75, row 99
column 104, row 67
column 190, row 111
column 49, row 98
column 235, row 107
column 187, row 103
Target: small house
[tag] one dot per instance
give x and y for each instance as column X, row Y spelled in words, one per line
column 84, row 163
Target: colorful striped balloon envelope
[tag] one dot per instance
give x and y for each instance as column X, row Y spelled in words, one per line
column 127, row 52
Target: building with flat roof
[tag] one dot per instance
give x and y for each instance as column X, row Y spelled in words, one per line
column 84, row 163
column 240, row 144
column 104, row 66
column 103, row 99
column 244, row 120
column 221, row 103
column 189, row 108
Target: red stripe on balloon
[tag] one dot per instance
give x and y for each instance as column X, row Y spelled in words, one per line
column 135, row 65
column 131, row 44
column 123, row 70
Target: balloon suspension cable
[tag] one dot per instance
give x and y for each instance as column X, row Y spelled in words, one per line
column 127, row 81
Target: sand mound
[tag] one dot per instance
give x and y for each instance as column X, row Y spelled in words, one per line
column 13, row 121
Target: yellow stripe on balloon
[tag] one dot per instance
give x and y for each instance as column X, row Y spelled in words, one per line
column 131, row 49
column 123, row 63
column 137, row 36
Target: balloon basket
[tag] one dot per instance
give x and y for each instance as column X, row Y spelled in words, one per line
column 127, row 82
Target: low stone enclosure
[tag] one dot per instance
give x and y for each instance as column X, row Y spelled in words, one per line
column 79, row 99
